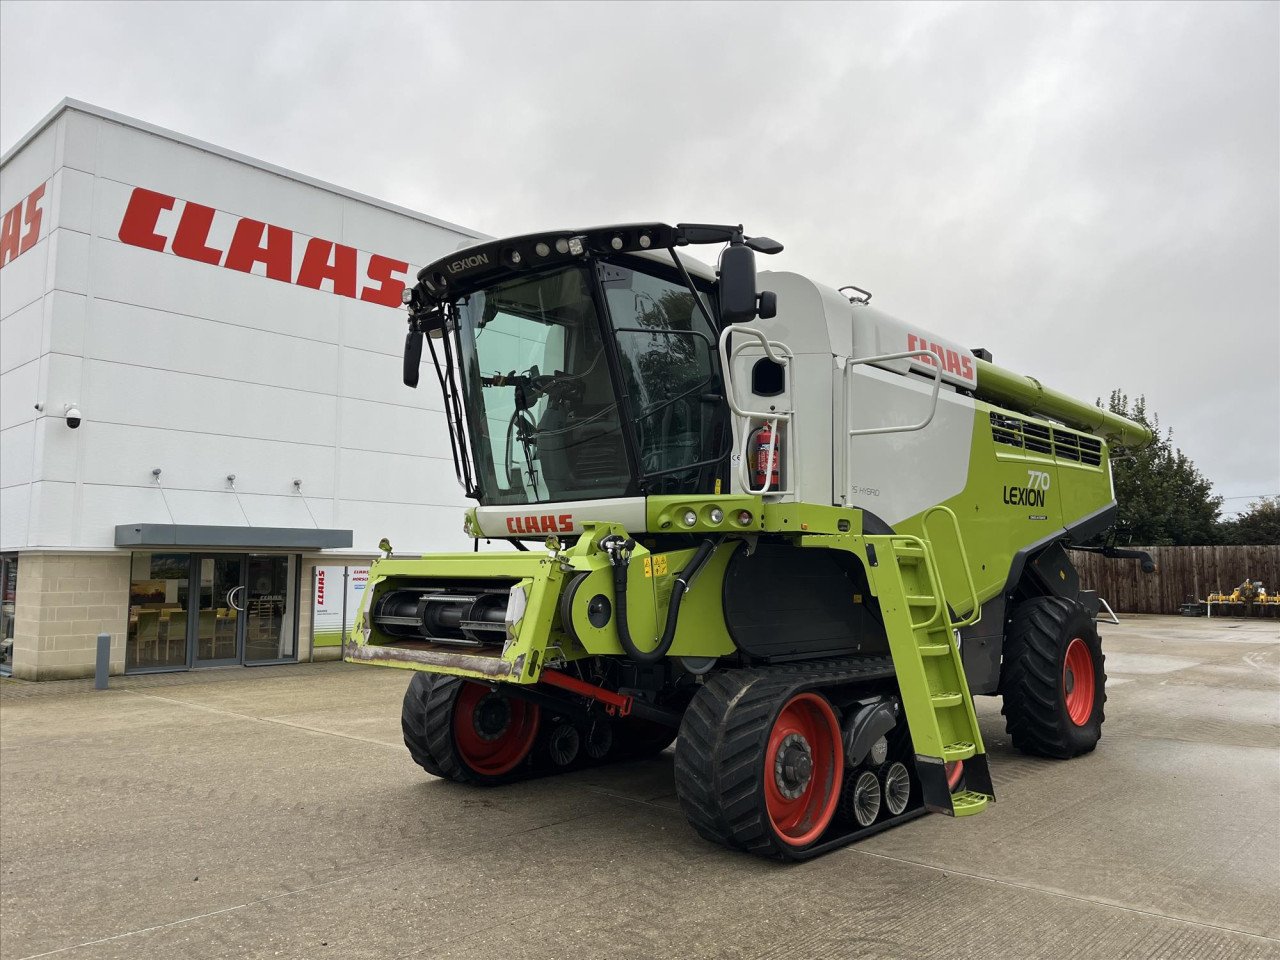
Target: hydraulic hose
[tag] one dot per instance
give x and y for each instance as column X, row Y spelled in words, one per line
column 619, row 551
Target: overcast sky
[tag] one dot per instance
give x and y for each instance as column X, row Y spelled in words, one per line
column 1092, row 191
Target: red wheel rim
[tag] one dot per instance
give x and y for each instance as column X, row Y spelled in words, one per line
column 800, row 794
column 1077, row 682
column 493, row 733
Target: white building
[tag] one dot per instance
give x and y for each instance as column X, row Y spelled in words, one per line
column 200, row 397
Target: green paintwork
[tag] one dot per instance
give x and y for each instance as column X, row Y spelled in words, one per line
column 1028, row 395
column 539, row 635
column 666, row 514
column 935, row 695
column 992, row 531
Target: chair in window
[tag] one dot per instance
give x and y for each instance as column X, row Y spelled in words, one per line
column 146, row 638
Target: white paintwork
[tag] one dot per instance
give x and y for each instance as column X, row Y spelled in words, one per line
column 568, row 517
column 823, row 329
column 938, row 455
column 200, row 370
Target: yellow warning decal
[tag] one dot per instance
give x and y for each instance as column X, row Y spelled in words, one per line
column 648, row 566
column 717, row 486
column 660, row 565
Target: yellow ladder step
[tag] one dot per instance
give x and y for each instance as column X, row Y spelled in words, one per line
column 966, row 803
column 918, row 600
column 940, row 700
column 909, row 553
column 934, row 649
column 960, row 750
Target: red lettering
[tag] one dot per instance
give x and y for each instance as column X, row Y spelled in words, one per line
column 139, row 224
column 34, row 214
column 511, row 525
column 566, row 523
column 548, row 525
column 9, row 235
column 966, row 367
column 334, row 262
column 190, row 240
column 382, row 271
column 953, row 362
column 247, row 249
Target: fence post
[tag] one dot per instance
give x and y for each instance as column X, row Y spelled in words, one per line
column 103, row 666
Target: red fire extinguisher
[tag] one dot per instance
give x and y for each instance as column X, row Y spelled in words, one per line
column 763, row 439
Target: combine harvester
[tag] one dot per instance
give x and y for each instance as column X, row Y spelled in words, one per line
column 787, row 528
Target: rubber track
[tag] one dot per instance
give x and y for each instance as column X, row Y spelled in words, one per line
column 426, row 723
column 719, row 755
column 1031, row 685
column 426, row 720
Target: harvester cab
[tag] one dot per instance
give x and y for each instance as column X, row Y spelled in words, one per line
column 789, row 528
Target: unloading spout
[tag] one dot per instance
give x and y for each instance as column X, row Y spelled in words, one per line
column 1029, row 395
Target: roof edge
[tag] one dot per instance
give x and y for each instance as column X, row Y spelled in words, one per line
column 68, row 103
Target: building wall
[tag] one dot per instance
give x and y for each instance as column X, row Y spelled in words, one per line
column 64, row 601
column 183, row 363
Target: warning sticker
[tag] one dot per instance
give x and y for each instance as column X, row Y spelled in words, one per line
column 648, row 566
column 659, row 565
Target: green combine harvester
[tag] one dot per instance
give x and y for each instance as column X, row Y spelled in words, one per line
column 787, row 529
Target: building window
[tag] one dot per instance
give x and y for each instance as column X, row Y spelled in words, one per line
column 8, row 605
column 158, row 611
column 214, row 609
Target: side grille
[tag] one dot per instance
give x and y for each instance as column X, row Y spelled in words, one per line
column 1053, row 441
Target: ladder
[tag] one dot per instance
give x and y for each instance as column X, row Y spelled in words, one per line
column 931, row 680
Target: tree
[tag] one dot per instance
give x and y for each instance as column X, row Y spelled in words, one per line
column 1259, row 525
column 1163, row 498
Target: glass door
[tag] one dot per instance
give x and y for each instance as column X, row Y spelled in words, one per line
column 269, row 609
column 217, row 629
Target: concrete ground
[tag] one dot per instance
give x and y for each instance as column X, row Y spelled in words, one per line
column 274, row 813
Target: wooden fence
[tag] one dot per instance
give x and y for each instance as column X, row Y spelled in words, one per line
column 1181, row 573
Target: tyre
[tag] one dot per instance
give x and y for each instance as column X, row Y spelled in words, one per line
column 757, row 769
column 1052, row 679
column 463, row 731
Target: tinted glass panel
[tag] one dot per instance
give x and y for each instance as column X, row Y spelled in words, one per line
column 540, row 404
column 158, row 593
column 269, row 609
column 669, row 371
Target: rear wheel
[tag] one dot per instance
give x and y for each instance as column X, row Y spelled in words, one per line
column 1053, row 682
column 759, row 770
column 463, row 731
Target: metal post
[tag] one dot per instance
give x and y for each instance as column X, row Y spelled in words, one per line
column 103, row 667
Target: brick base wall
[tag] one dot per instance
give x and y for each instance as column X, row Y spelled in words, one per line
column 63, row 602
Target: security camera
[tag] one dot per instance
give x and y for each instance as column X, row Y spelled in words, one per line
column 73, row 416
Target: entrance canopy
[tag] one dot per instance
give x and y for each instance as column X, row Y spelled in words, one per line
column 256, row 538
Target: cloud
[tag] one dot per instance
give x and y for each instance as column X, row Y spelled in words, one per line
column 1090, row 190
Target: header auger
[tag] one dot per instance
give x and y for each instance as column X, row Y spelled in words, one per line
column 791, row 530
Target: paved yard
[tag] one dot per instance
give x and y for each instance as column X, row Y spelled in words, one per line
column 274, row 813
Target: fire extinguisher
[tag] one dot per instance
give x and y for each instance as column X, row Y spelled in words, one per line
column 763, row 439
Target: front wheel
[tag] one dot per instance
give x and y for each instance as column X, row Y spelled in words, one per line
column 1052, row 680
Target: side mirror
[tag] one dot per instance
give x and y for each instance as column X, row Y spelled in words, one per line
column 412, row 357
column 739, row 302
column 737, row 284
